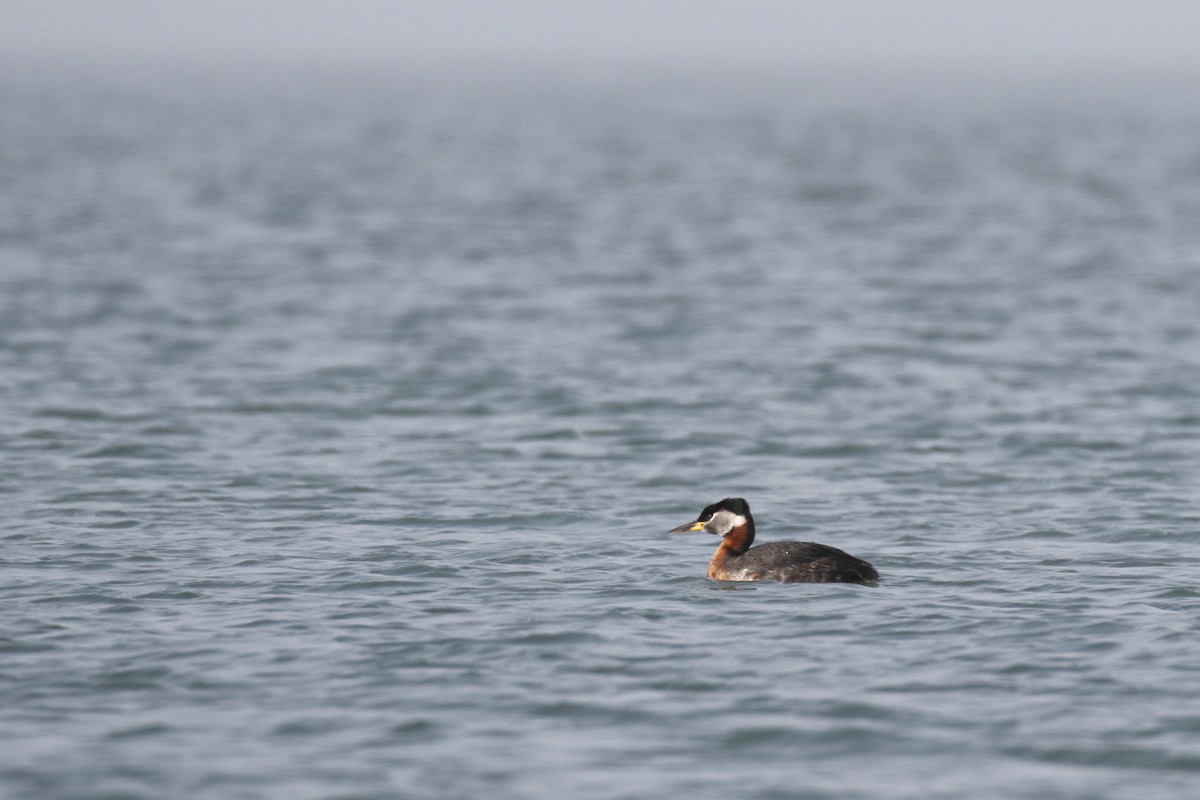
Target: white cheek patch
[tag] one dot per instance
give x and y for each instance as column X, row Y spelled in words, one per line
column 723, row 522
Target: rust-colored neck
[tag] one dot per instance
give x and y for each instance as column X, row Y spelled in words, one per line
column 716, row 566
column 738, row 540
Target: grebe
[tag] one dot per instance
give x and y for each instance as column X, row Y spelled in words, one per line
column 787, row 562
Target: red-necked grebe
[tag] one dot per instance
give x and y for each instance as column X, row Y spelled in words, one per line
column 787, row 562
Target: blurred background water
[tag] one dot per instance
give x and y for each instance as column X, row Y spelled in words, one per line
column 344, row 419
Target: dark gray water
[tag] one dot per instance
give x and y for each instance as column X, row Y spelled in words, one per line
column 343, row 424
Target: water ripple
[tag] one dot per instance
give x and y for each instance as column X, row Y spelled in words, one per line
column 344, row 434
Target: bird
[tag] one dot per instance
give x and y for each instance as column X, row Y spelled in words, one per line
column 786, row 562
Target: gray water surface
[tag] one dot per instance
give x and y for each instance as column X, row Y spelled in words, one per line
column 342, row 425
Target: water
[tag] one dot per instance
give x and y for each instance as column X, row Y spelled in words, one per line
column 343, row 422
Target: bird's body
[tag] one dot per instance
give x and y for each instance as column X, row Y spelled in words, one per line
column 787, row 562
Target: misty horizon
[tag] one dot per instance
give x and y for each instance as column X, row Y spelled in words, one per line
column 673, row 33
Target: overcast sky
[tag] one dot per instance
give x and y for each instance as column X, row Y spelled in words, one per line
column 1082, row 32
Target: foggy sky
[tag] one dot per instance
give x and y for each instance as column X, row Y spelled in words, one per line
column 678, row 32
